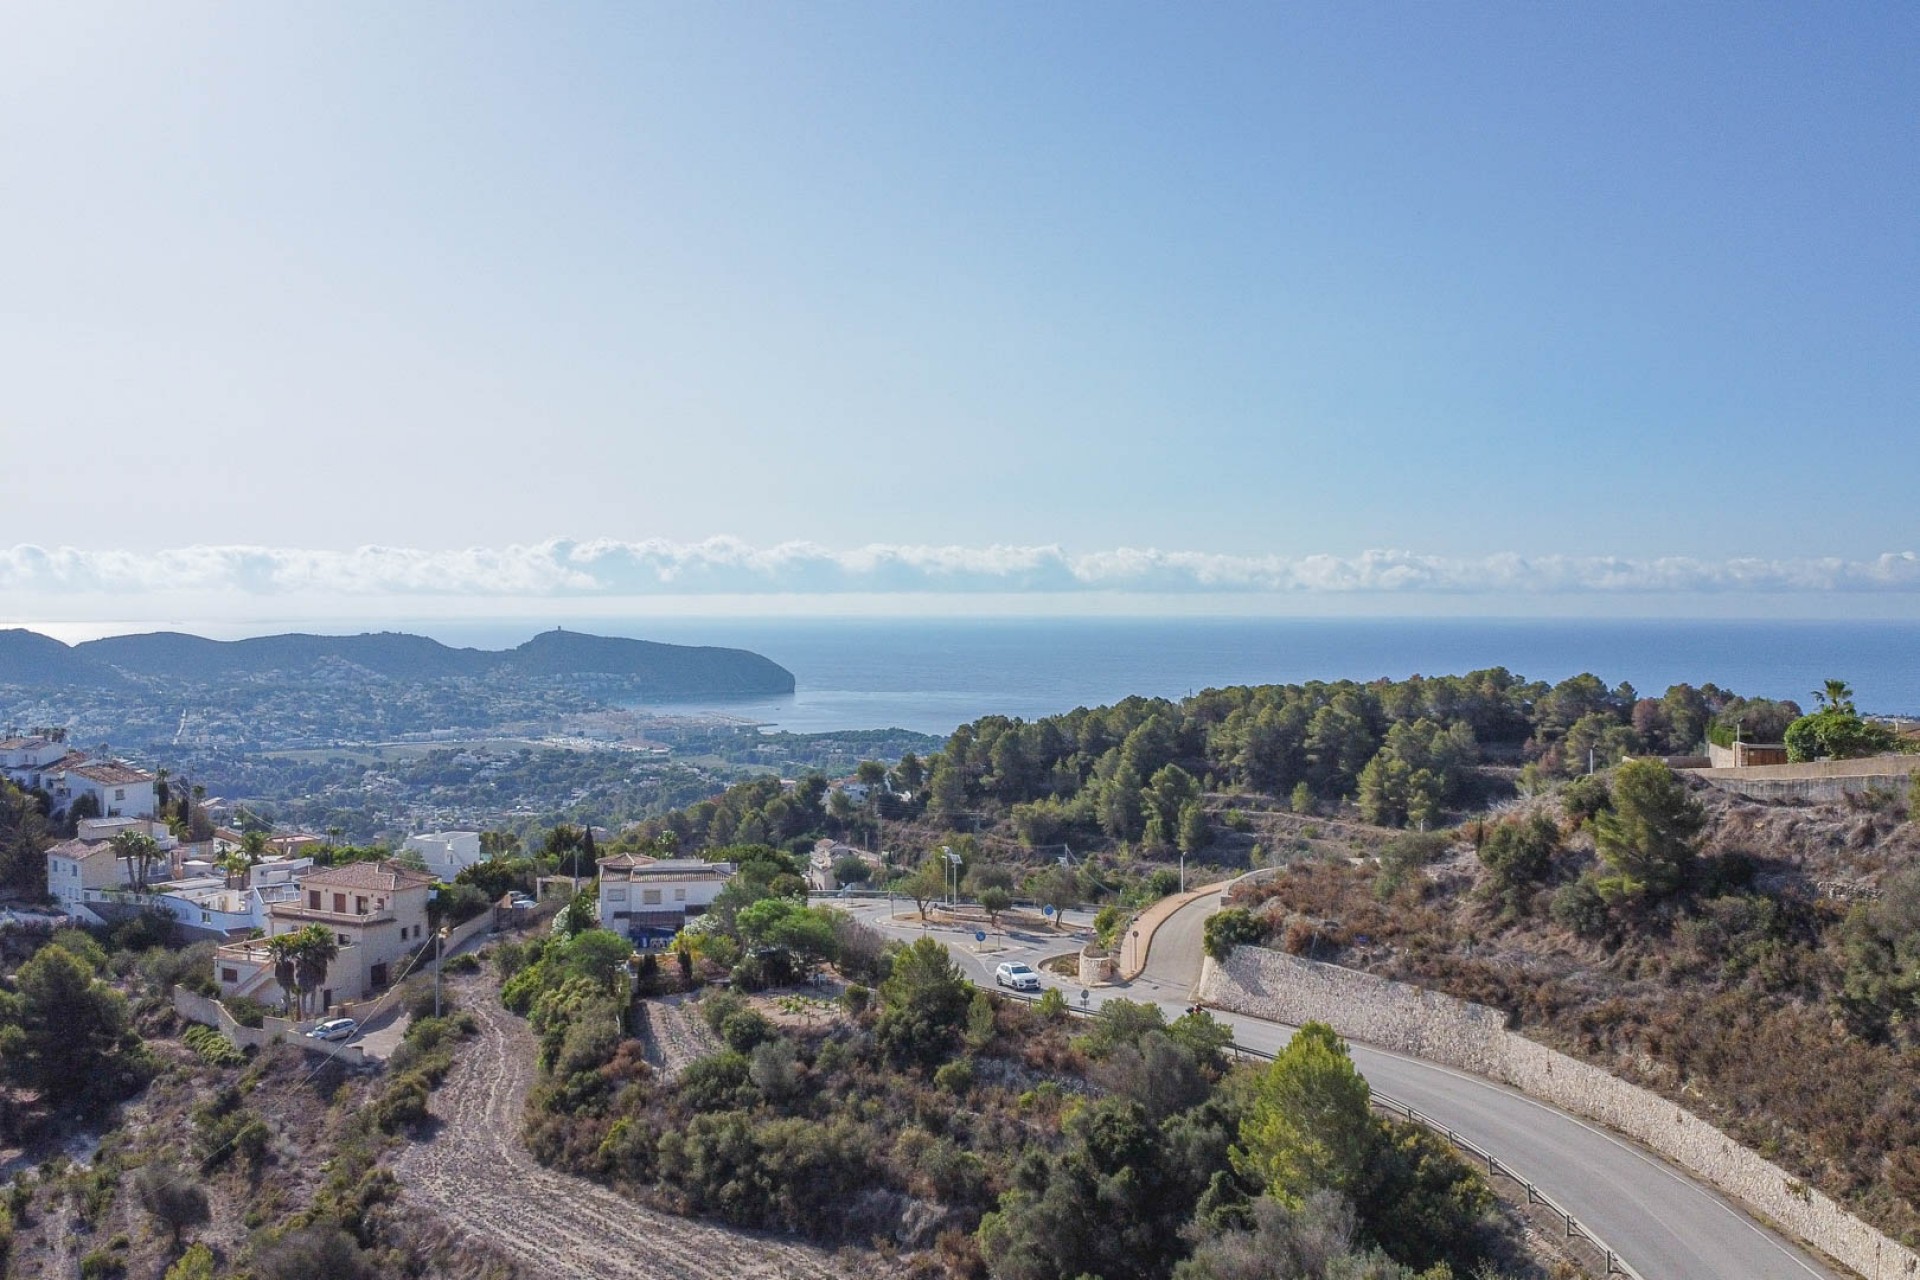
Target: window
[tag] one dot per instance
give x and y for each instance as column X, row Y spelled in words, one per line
column 650, row 896
column 340, row 903
column 616, row 895
column 229, row 975
column 680, row 894
column 313, row 899
column 344, row 940
column 360, row 905
column 119, row 793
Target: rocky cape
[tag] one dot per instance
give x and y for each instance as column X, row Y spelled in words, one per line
column 644, row 667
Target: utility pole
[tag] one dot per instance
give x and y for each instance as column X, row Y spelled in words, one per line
column 439, row 951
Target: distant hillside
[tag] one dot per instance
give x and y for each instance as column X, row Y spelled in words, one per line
column 645, row 667
column 29, row 658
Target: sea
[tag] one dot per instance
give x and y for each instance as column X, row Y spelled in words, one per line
column 929, row 675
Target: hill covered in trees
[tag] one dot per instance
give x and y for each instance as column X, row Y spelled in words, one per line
column 30, row 659
column 1149, row 774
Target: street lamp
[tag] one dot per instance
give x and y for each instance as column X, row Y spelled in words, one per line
column 954, row 862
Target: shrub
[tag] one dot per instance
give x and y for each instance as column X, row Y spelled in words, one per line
column 955, row 1077
column 1579, row 907
column 856, row 998
column 319, row 1250
column 402, row 1104
column 1052, row 1005
column 102, row 1265
column 743, row 1030
column 465, row 962
column 175, row 1202
column 214, row 1049
column 1585, row 798
column 1518, row 855
column 248, row 1013
column 1234, row 927
column 197, row 1263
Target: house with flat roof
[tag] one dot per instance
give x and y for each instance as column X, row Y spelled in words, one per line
column 446, row 853
column 650, row 899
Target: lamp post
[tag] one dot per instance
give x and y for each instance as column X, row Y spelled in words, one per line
column 439, row 951
column 953, row 867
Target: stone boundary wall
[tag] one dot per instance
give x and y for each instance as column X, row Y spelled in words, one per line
column 1454, row 1033
column 459, row 937
column 202, row 1009
column 1816, row 781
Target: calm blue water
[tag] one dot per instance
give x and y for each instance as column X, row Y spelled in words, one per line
column 932, row 675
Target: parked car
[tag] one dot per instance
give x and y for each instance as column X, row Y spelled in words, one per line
column 1016, row 975
column 335, row 1029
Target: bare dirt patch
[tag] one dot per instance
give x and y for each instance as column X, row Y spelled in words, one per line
column 475, row 1174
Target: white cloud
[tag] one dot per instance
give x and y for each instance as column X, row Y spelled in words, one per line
column 727, row 566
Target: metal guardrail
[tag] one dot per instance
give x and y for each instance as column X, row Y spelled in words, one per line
column 1496, row 1168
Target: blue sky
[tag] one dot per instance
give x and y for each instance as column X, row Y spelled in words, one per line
column 1610, row 287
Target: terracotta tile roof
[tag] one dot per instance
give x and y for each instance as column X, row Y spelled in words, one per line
column 81, row 850
column 111, row 773
column 627, row 861
column 366, row 875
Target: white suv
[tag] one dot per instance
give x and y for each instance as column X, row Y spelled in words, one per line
column 1016, row 975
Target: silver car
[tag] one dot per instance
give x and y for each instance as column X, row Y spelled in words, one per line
column 1016, row 975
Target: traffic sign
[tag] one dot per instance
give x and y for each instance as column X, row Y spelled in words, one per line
column 1046, row 911
column 979, row 935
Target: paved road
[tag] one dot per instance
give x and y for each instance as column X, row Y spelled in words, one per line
column 1664, row 1223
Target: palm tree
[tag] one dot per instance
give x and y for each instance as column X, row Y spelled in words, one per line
column 1836, row 695
column 285, row 950
column 253, row 847
column 315, row 951
column 235, row 866
column 140, row 851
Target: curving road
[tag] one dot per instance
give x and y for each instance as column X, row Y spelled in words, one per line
column 1662, row 1221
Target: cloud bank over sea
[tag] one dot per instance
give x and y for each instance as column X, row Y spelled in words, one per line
column 723, row 566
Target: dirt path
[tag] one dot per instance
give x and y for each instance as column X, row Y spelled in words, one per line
column 475, row 1174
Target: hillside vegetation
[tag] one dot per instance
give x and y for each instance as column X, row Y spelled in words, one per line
column 971, row 1135
column 1756, row 963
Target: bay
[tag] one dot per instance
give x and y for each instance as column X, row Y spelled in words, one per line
column 930, row 675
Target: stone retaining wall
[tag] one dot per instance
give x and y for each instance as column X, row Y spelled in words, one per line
column 1454, row 1033
column 1816, row 781
column 210, row 1012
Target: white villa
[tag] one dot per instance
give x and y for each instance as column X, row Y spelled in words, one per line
column 44, row 762
column 649, row 899
column 87, row 864
column 92, row 883
column 446, row 853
